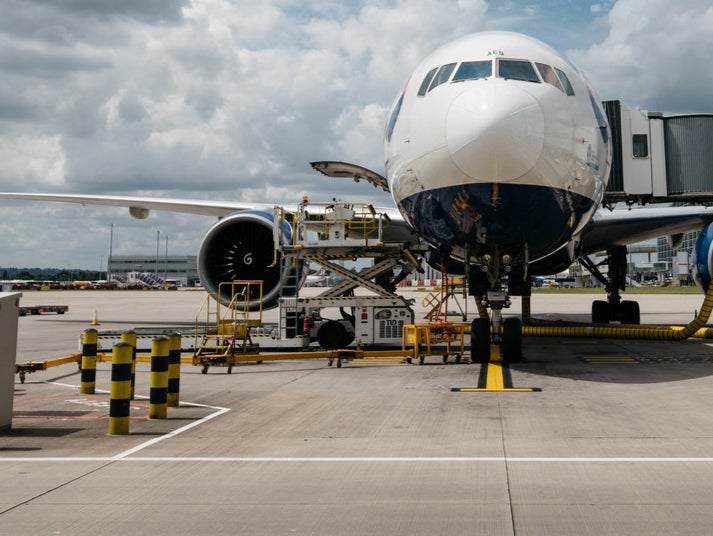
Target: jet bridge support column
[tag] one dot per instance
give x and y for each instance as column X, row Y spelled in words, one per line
column 9, row 304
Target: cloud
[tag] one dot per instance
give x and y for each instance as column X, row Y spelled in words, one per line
column 654, row 55
column 231, row 99
column 203, row 98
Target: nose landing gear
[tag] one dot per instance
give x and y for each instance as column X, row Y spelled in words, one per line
column 495, row 330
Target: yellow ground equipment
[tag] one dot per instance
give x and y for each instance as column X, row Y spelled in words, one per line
column 424, row 336
column 225, row 332
column 437, row 302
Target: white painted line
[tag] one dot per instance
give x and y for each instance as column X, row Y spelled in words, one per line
column 219, row 411
column 350, row 459
column 173, row 433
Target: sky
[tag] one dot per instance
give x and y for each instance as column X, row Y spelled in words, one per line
column 231, row 99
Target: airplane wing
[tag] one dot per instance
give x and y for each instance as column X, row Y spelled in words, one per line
column 140, row 206
column 397, row 229
column 623, row 227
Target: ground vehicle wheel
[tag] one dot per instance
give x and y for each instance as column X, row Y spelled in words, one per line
column 204, row 370
column 600, row 312
column 630, row 313
column 480, row 340
column 512, row 340
column 333, row 335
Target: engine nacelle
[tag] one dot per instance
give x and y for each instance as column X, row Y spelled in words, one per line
column 240, row 247
column 702, row 258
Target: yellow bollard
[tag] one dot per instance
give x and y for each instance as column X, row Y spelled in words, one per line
column 174, row 369
column 129, row 336
column 89, row 361
column 119, row 405
column 158, row 381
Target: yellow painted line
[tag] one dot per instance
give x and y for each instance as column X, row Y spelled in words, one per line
column 382, row 361
column 495, row 380
column 503, row 390
column 609, row 359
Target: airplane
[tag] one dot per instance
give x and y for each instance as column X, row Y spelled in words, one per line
column 497, row 156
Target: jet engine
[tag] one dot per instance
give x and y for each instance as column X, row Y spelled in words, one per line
column 702, row 258
column 241, row 247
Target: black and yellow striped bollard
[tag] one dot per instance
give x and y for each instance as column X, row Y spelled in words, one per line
column 119, row 404
column 90, row 338
column 174, row 369
column 129, row 336
column 158, row 381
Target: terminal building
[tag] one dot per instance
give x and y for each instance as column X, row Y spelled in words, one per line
column 181, row 269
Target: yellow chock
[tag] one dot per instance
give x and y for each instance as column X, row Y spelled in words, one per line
column 95, row 320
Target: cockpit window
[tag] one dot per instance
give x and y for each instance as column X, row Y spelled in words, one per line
column 517, row 70
column 444, row 73
column 549, row 76
column 426, row 81
column 470, row 70
column 568, row 89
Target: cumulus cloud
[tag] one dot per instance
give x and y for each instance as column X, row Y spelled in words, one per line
column 205, row 98
column 233, row 98
column 654, row 55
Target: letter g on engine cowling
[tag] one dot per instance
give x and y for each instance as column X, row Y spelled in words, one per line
column 240, row 247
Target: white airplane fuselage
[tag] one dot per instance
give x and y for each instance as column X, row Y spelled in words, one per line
column 497, row 145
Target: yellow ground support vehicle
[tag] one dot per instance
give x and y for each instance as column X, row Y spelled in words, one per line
column 225, row 332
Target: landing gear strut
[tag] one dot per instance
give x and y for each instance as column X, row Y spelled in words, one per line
column 614, row 309
column 507, row 333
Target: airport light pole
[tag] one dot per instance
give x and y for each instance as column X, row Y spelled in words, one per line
column 158, row 238
column 111, row 247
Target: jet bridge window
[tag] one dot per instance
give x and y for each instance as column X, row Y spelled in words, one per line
column 426, row 81
column 568, row 89
column 471, row 70
column 549, row 76
column 444, row 73
column 517, row 70
column 640, row 145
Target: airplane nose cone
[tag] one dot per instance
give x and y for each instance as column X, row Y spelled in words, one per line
column 495, row 131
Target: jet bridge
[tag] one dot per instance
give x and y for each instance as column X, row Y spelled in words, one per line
column 658, row 158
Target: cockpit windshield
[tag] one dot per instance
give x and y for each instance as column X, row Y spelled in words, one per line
column 470, row 70
column 483, row 69
column 444, row 73
column 549, row 76
column 517, row 70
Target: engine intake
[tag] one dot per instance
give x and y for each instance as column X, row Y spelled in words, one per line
column 240, row 247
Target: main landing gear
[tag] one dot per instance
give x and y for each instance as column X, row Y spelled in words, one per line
column 507, row 333
column 614, row 308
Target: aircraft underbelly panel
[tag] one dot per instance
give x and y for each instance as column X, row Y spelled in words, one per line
column 493, row 214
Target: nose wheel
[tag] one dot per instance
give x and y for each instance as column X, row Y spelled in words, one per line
column 508, row 335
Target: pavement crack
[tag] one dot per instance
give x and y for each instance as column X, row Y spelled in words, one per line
column 507, row 466
column 52, row 490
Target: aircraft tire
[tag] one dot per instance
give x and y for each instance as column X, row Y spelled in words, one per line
column 600, row 312
column 630, row 313
column 480, row 340
column 512, row 340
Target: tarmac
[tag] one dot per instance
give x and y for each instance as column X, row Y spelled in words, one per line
column 618, row 439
